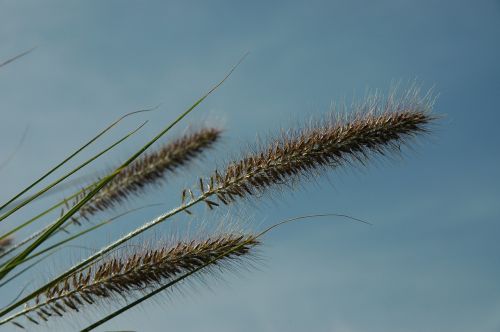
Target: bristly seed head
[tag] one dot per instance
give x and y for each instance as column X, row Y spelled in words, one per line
column 139, row 272
column 148, row 170
column 376, row 128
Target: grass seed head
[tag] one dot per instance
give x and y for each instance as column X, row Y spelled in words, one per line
column 140, row 271
column 375, row 128
column 149, row 170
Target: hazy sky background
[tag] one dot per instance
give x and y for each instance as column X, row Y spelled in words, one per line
column 429, row 263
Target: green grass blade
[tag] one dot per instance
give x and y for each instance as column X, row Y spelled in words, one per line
column 16, row 260
column 52, row 208
column 71, row 173
column 77, row 182
column 24, row 203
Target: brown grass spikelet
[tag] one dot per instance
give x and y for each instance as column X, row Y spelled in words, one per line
column 140, row 271
column 375, row 128
column 149, row 170
column 5, row 244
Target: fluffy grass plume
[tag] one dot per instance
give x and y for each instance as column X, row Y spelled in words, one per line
column 141, row 271
column 150, row 169
column 376, row 127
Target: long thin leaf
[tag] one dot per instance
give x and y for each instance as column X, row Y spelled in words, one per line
column 77, row 182
column 16, row 260
column 24, row 203
column 38, row 216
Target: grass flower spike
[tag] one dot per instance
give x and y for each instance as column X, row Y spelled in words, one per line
column 375, row 128
column 140, row 271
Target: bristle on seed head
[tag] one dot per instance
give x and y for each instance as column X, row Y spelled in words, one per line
column 140, row 271
column 374, row 128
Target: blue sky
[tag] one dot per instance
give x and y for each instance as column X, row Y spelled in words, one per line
column 429, row 263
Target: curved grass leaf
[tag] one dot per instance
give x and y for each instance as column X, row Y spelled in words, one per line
column 109, row 148
column 22, row 192
column 52, row 208
column 77, row 182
